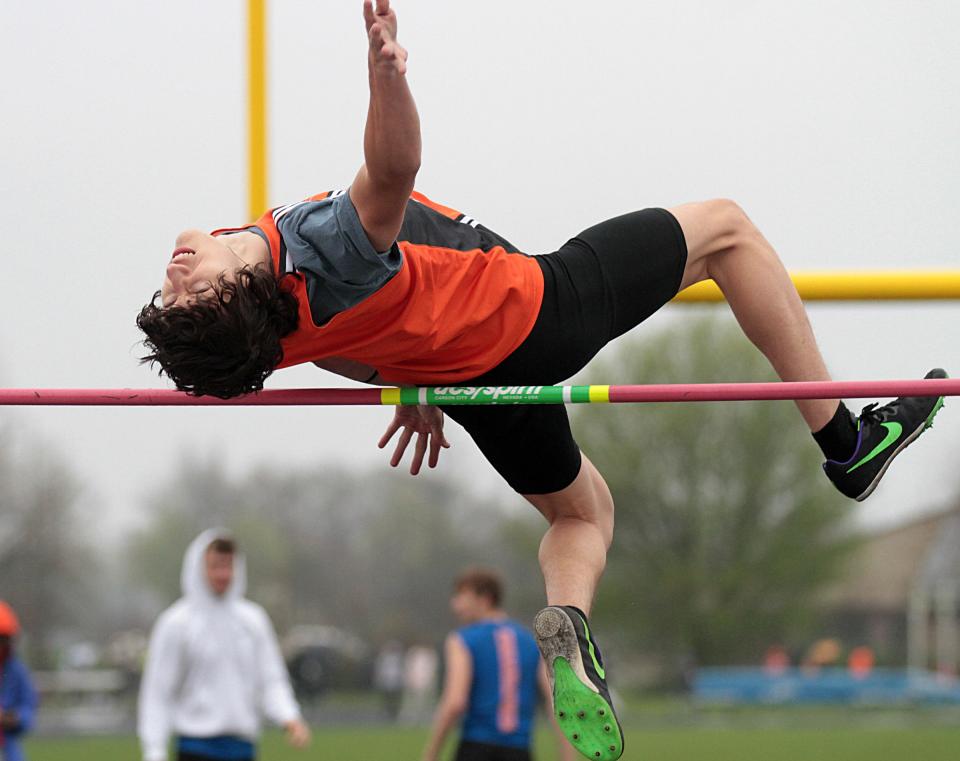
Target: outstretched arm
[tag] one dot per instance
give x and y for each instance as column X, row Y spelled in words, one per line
column 391, row 143
column 391, row 147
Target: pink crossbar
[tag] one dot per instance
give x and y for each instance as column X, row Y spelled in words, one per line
column 684, row 392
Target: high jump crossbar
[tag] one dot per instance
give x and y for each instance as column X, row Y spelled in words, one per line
column 891, row 285
column 459, row 395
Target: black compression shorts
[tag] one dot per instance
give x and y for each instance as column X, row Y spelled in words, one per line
column 471, row 751
column 598, row 286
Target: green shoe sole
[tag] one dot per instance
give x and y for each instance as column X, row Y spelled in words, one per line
column 585, row 718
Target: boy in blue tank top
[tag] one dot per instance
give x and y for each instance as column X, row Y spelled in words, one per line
column 493, row 674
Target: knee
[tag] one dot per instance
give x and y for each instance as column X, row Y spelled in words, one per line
column 736, row 236
column 586, row 502
column 596, row 522
column 594, row 505
column 595, row 511
column 730, row 221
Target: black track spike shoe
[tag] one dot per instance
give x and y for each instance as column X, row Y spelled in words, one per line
column 883, row 433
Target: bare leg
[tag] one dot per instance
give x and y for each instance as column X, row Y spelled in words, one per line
column 573, row 552
column 724, row 245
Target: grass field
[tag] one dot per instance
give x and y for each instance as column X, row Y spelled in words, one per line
column 893, row 743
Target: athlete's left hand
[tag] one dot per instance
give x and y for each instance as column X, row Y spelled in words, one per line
column 427, row 423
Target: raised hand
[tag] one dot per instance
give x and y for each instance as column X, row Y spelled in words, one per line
column 424, row 421
column 381, row 24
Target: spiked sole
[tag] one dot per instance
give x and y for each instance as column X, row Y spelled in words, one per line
column 584, row 716
column 586, row 719
column 909, row 440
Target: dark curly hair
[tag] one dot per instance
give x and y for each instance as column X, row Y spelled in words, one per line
column 223, row 345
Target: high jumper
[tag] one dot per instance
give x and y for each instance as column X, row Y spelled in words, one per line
column 382, row 285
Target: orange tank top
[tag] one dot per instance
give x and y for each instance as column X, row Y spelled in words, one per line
column 461, row 302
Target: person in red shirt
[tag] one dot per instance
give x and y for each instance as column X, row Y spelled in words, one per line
column 382, row 285
column 18, row 696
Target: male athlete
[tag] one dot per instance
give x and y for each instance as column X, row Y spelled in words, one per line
column 380, row 284
column 492, row 674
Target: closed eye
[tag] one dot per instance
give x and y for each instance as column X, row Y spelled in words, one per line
column 189, row 298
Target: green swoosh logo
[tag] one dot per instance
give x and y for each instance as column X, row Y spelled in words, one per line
column 593, row 654
column 893, row 433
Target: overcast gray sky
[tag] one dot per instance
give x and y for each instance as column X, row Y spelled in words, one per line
column 835, row 125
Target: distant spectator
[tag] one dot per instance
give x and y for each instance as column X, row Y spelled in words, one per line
column 776, row 660
column 420, row 666
column 861, row 662
column 388, row 677
column 822, row 653
column 214, row 666
column 18, row 699
column 493, row 674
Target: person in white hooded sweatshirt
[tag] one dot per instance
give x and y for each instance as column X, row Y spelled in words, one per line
column 214, row 667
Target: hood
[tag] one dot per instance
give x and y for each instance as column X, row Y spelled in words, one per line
column 193, row 579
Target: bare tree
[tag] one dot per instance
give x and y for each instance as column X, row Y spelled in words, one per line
column 46, row 569
column 372, row 552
